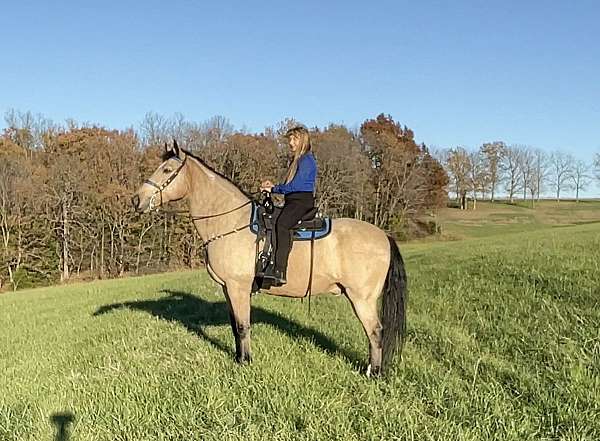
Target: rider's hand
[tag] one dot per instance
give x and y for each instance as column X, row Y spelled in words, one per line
column 266, row 186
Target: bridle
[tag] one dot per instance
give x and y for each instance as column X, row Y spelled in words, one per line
column 160, row 188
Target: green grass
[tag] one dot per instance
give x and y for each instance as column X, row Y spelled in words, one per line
column 501, row 218
column 503, row 344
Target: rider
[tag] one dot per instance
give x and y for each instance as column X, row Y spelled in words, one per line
column 298, row 188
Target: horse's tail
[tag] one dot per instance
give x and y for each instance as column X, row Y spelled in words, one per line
column 394, row 306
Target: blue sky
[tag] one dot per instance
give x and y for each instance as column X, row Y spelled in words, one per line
column 457, row 73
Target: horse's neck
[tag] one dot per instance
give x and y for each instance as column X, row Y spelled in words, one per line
column 212, row 194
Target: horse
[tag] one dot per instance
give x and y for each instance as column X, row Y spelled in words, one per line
column 357, row 259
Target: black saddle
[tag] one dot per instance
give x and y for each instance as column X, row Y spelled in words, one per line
column 310, row 221
column 264, row 216
column 312, row 226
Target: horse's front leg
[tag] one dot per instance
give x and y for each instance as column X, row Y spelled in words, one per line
column 238, row 299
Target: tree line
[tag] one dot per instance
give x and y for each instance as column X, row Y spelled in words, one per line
column 65, row 190
column 516, row 171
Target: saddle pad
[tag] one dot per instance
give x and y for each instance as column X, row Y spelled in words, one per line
column 298, row 233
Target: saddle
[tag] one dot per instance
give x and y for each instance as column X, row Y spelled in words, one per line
column 264, row 216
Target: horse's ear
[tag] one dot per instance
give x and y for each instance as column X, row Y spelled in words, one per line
column 167, row 148
column 179, row 152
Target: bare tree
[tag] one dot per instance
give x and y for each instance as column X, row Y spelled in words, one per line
column 597, row 166
column 154, row 129
column 541, row 171
column 562, row 169
column 511, row 168
column 581, row 177
column 26, row 129
column 527, row 168
column 493, row 152
column 478, row 173
column 457, row 165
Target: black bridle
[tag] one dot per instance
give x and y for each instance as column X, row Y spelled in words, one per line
column 160, row 188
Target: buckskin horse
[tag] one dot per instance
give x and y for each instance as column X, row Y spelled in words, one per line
column 356, row 259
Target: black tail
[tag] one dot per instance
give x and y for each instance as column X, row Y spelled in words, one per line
column 394, row 306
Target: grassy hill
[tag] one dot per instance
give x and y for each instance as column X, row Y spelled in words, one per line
column 504, row 218
column 503, row 344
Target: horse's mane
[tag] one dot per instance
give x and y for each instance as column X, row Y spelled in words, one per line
column 171, row 154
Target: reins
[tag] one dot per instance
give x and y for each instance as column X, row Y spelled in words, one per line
column 170, row 179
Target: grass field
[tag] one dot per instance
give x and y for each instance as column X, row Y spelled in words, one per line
column 503, row 344
column 503, row 218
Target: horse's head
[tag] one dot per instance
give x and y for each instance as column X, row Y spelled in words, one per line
column 167, row 183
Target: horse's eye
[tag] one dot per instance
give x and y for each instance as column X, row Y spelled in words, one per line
column 167, row 170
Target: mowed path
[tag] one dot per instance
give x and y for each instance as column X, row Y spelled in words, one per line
column 503, row 343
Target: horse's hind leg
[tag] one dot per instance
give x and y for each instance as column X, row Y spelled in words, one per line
column 367, row 312
column 238, row 300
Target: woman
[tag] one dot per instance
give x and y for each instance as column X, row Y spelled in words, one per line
column 299, row 188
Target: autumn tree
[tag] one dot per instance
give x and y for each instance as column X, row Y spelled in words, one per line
column 65, row 190
column 437, row 180
column 400, row 177
column 13, row 171
column 26, row 129
column 344, row 185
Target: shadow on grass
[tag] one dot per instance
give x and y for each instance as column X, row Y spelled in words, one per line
column 61, row 421
column 194, row 313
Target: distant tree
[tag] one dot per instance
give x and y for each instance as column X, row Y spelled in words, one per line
column 478, row 172
column 561, row 171
column 400, row 172
column 26, row 129
column 154, row 129
column 493, row 152
column 511, row 169
column 458, row 165
column 597, row 166
column 344, row 179
column 527, row 168
column 245, row 159
column 11, row 170
column 541, row 171
column 437, row 180
column 581, row 177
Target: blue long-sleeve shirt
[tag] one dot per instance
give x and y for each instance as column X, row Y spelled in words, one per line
column 305, row 177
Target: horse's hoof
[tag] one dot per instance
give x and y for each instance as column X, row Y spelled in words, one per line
column 244, row 360
column 373, row 371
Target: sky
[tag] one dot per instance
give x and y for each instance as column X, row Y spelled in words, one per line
column 457, row 73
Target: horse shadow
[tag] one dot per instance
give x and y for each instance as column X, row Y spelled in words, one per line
column 62, row 420
column 194, row 313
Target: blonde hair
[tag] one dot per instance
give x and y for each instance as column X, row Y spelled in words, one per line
column 302, row 134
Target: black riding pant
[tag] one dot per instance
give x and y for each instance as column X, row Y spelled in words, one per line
column 296, row 205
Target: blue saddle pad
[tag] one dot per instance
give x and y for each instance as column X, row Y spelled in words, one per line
column 298, row 233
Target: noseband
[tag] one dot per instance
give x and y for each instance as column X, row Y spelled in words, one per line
column 161, row 187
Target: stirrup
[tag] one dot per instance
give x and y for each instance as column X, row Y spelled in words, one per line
column 277, row 277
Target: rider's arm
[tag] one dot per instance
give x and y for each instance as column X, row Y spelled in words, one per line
column 304, row 180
